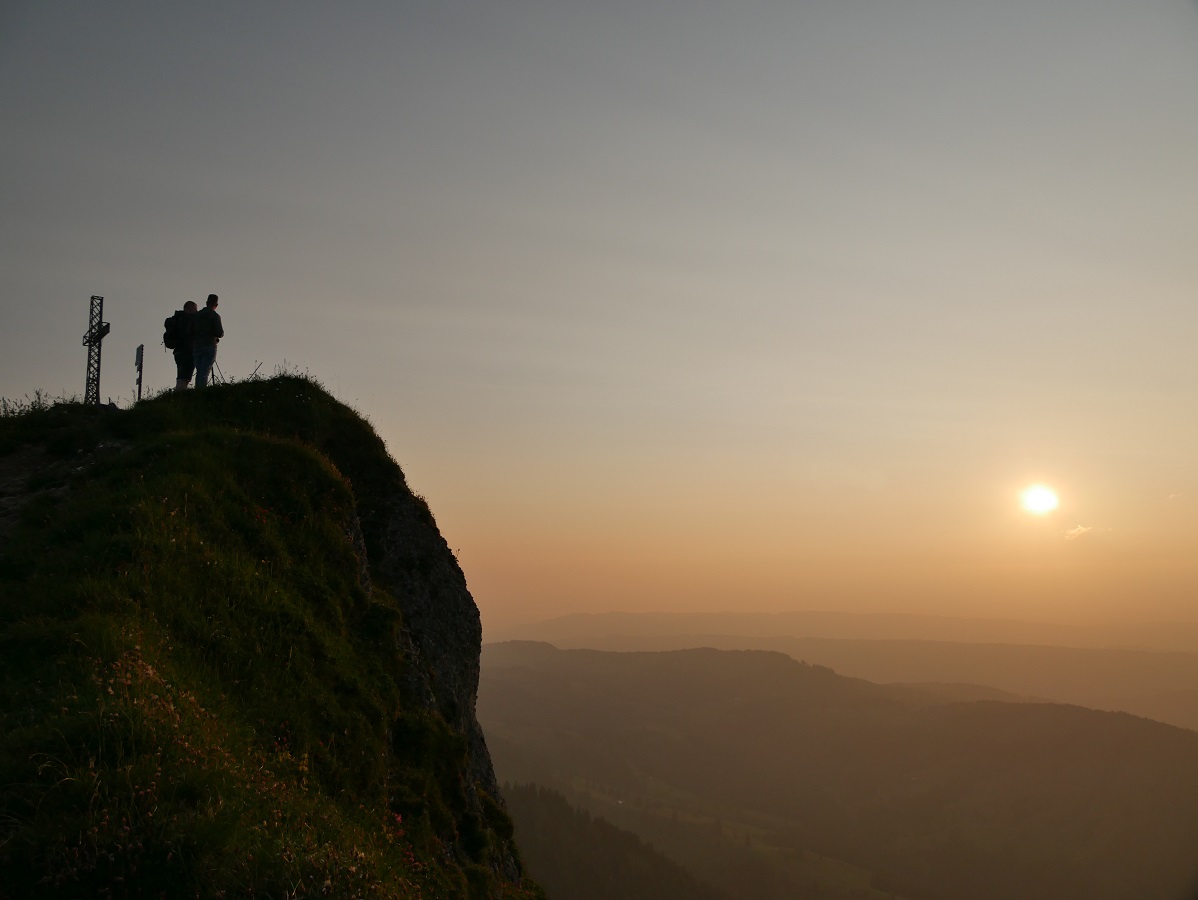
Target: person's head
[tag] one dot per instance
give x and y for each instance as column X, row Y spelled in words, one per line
column 212, row 301
column 190, row 306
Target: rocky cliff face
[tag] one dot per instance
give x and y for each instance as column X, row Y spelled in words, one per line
column 442, row 623
column 411, row 560
column 248, row 651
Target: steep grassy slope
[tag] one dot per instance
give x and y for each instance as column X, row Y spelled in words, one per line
column 237, row 659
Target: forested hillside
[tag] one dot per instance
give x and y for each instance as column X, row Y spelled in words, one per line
column 938, row 800
column 577, row 856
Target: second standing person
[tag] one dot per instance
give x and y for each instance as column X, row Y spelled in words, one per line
column 206, row 330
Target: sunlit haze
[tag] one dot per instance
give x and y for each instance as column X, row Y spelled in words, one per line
column 748, row 306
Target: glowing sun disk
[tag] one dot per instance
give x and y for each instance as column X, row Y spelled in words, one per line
column 1039, row 499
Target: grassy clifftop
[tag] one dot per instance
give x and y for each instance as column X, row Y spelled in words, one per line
column 238, row 660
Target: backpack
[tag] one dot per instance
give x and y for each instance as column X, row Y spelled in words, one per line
column 176, row 331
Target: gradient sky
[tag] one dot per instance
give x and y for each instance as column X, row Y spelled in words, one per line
column 673, row 305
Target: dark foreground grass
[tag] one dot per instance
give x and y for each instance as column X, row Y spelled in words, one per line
column 201, row 691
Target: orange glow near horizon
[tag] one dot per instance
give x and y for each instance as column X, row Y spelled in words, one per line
column 674, row 311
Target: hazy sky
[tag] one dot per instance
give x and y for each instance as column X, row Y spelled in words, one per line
column 704, row 305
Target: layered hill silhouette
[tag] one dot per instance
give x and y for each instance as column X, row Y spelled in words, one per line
column 238, row 660
column 570, row 630
column 1011, row 657
column 933, row 798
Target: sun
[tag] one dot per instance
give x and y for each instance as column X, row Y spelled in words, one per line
column 1039, row 499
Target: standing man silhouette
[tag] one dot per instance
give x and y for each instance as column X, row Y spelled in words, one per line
column 184, row 361
column 206, row 330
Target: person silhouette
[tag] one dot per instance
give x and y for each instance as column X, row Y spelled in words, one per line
column 206, row 330
column 184, row 360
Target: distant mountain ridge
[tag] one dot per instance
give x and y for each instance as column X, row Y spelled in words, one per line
column 1155, row 684
column 577, row 628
